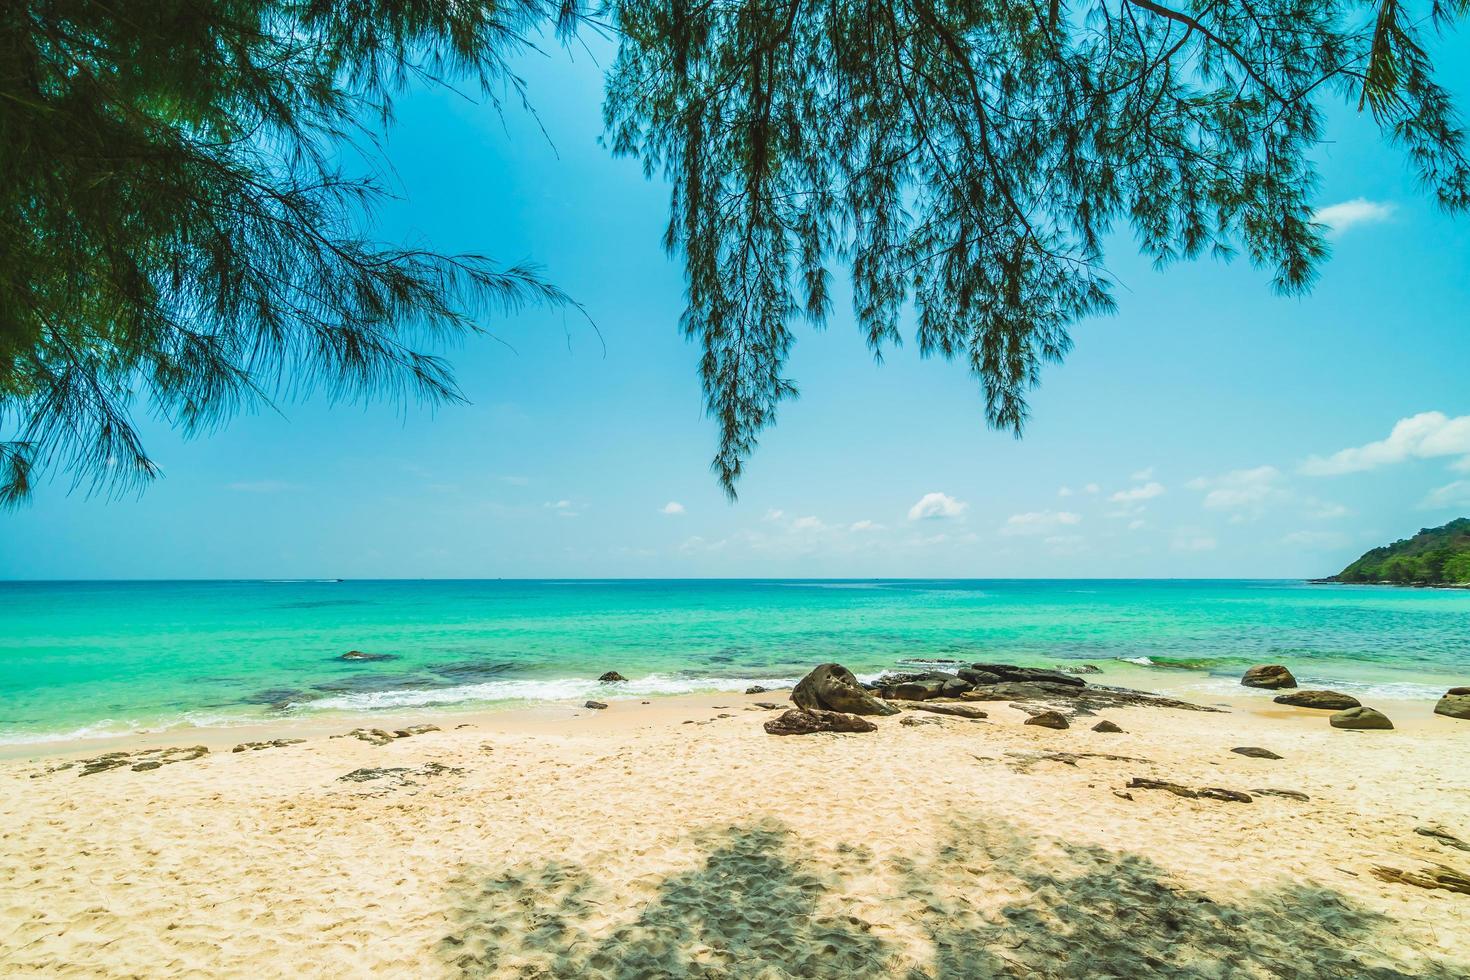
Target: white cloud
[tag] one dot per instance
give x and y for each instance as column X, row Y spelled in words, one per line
column 1316, row 539
column 563, row 508
column 1091, row 488
column 1455, row 494
column 1143, row 475
column 1325, row 510
column 1064, row 491
column 1428, row 435
column 807, row 524
column 1039, row 522
column 1359, row 211
column 861, row 526
column 936, row 506
column 1146, row 492
column 1242, row 491
column 1192, row 539
column 671, row 508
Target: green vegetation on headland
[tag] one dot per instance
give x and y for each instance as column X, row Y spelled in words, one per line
column 1434, row 556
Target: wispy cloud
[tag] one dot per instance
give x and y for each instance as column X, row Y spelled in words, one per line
column 1428, row 435
column 672, row 508
column 864, row 526
column 1455, row 494
column 563, row 508
column 1348, row 214
column 937, row 506
column 1192, row 539
column 1316, row 539
column 1244, row 492
column 1039, row 522
column 807, row 524
column 1147, row 491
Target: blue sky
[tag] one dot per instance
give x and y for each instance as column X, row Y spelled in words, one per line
column 1209, row 428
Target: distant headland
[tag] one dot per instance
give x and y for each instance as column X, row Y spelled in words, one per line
column 1436, row 556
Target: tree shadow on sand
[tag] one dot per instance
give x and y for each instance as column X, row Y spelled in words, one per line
column 987, row 901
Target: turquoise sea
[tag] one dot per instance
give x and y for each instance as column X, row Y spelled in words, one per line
column 81, row 659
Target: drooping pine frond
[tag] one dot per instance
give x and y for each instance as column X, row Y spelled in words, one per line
column 967, row 158
column 175, row 234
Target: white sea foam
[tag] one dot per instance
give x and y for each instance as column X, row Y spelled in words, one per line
column 1140, row 661
column 550, row 689
column 113, row 728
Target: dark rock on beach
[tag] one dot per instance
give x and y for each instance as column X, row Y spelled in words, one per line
column 1106, row 726
column 1443, row 836
column 1455, row 703
column 597, row 705
column 1270, row 676
column 832, row 687
column 275, row 743
column 996, row 673
column 913, row 721
column 1228, row 795
column 1289, row 794
column 954, row 710
column 1255, row 752
column 802, row 721
column 1362, row 719
column 1048, row 719
column 1325, row 700
column 757, row 689
column 612, row 677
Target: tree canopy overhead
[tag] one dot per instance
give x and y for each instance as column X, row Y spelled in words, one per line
column 177, row 230
column 969, row 157
column 178, row 234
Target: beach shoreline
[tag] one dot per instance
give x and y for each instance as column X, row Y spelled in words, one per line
column 679, row 838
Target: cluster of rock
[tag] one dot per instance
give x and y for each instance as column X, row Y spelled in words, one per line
column 1350, row 713
column 832, row 699
column 379, row 736
column 275, row 743
column 143, row 760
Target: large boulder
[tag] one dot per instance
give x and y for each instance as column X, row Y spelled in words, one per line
column 1365, row 719
column 612, row 677
column 1048, row 719
column 1455, row 703
column 801, row 721
column 1270, row 676
column 832, row 687
column 1325, row 700
column 998, row 673
column 1021, row 691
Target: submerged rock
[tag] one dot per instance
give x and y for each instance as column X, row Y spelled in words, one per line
column 1325, row 700
column 804, row 721
column 358, row 655
column 1270, row 676
column 1048, row 719
column 832, row 687
column 1455, row 703
column 1364, row 719
column 612, row 677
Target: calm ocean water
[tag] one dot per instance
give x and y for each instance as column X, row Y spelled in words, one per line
column 95, row 658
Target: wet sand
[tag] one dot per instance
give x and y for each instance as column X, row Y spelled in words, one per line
column 679, row 839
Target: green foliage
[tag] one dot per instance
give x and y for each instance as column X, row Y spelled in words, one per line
column 176, row 231
column 1434, row 556
column 967, row 158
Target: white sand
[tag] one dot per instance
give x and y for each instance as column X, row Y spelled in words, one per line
column 624, row 843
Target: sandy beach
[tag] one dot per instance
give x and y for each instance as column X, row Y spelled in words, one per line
column 678, row 838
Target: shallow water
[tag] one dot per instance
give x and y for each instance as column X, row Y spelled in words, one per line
column 97, row 658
